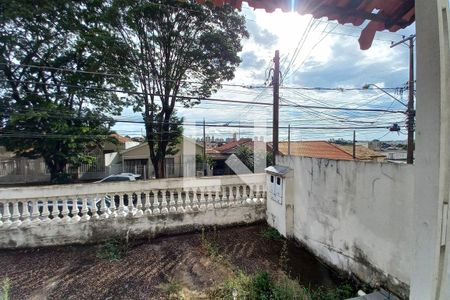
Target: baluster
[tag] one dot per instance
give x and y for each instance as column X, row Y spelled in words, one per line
column 155, row 204
column 148, row 210
column 231, row 198
column 55, row 210
column 6, row 214
column 105, row 211
column 164, row 209
column 85, row 209
column 94, row 209
column 195, row 206
column 179, row 201
column 112, row 206
column 202, row 198
column 187, row 201
column 1, row 215
column 224, row 197
column 45, row 211
column 210, row 200
column 217, row 203
column 75, row 210
column 130, row 208
column 65, row 211
column 249, row 198
column 26, row 221
column 122, row 212
column 15, row 217
column 138, row 211
column 172, row 208
column 35, row 212
column 244, row 194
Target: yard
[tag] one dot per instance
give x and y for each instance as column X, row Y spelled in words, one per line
column 250, row 261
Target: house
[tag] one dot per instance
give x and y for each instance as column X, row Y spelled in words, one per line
column 220, row 154
column 137, row 160
column 323, row 149
column 363, row 153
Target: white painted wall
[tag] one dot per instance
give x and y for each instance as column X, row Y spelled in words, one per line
column 356, row 216
column 159, row 207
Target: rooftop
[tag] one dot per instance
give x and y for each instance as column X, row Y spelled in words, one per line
column 318, row 149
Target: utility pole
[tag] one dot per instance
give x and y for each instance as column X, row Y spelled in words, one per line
column 276, row 104
column 289, row 139
column 205, row 171
column 354, row 144
column 411, row 113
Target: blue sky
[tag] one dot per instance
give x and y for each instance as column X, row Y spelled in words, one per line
column 329, row 56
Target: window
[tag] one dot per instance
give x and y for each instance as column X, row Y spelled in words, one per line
column 278, row 181
column 170, row 167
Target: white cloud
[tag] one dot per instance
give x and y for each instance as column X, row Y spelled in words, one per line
column 334, row 61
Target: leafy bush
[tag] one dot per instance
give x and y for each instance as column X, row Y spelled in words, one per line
column 4, row 294
column 112, row 250
column 271, row 234
column 344, row 291
column 261, row 286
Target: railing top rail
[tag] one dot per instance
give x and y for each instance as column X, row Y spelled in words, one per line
column 50, row 191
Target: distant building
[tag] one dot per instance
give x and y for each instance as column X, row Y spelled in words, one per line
column 323, row 149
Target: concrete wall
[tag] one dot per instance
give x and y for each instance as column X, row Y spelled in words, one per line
column 44, row 215
column 356, row 216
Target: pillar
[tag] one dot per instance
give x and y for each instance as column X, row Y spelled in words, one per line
column 430, row 274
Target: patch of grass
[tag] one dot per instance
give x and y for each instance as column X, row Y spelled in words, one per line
column 261, row 286
column 271, row 234
column 211, row 244
column 6, row 285
column 344, row 291
column 112, row 250
column 283, row 260
column 172, row 289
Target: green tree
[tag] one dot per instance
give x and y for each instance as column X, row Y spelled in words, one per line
column 45, row 113
column 246, row 155
column 172, row 49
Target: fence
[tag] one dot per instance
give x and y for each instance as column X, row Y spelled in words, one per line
column 66, row 214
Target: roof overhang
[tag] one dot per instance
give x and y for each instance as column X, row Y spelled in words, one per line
column 391, row 15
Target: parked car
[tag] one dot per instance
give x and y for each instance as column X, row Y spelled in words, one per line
column 120, row 177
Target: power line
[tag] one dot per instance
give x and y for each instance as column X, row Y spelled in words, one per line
column 209, row 99
column 246, row 86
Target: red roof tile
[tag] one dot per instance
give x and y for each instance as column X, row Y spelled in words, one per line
column 119, row 138
column 382, row 14
column 318, row 149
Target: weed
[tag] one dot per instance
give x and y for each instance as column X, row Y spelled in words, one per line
column 211, row 244
column 344, row 291
column 6, row 285
column 283, row 260
column 112, row 250
column 172, row 289
column 271, row 234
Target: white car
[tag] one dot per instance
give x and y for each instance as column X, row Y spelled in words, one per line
column 120, row 177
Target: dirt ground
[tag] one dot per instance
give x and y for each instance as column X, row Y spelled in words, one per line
column 75, row 272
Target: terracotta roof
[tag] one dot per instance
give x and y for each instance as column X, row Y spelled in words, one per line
column 318, row 149
column 362, row 153
column 382, row 14
column 119, row 138
column 231, row 145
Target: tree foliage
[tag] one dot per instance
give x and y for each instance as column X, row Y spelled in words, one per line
column 247, row 156
column 173, row 48
column 44, row 111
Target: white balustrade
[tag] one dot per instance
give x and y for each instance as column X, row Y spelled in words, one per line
column 70, row 204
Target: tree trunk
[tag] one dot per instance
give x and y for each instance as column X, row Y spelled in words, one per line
column 159, row 166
